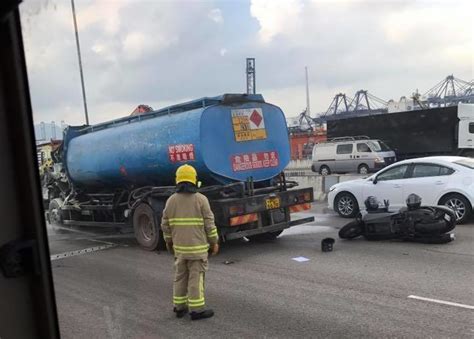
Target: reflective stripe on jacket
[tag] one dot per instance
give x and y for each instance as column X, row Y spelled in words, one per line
column 189, row 223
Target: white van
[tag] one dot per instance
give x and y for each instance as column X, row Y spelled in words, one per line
column 358, row 154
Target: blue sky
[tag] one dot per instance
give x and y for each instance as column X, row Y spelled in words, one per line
column 162, row 52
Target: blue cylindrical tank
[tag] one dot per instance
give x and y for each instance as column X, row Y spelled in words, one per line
column 227, row 138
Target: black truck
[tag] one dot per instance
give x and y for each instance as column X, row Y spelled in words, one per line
column 418, row 133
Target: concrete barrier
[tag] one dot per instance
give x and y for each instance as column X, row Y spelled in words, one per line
column 299, row 165
column 314, row 181
column 320, row 184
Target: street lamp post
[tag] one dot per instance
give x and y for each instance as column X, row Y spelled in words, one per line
column 80, row 62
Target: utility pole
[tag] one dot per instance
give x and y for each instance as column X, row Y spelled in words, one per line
column 308, row 110
column 250, row 71
column 80, row 62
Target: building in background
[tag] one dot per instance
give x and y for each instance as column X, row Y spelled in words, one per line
column 45, row 131
column 302, row 142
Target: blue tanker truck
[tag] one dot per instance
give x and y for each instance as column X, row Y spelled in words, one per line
column 120, row 173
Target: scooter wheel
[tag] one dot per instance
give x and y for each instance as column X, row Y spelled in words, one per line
column 351, row 230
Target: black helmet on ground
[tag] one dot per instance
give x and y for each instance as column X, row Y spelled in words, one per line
column 413, row 201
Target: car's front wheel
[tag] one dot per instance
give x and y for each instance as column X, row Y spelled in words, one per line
column 459, row 204
column 346, row 205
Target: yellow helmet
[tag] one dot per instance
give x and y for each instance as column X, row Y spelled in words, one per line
column 186, row 173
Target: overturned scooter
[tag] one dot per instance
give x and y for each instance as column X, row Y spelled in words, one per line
column 424, row 224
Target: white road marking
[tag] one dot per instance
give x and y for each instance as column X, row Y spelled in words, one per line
column 69, row 230
column 469, row 307
column 101, row 241
column 80, row 252
column 113, row 320
column 89, row 234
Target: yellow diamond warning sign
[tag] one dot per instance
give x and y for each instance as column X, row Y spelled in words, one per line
column 248, row 124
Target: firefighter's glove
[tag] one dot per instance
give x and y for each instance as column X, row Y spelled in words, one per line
column 214, row 249
column 169, row 247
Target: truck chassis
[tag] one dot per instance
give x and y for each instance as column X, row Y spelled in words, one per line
column 241, row 209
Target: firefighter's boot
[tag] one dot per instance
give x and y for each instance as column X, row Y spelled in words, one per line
column 180, row 313
column 201, row 315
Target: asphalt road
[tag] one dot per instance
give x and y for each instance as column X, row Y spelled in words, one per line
column 107, row 287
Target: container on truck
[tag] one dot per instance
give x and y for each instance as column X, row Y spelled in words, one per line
column 418, row 133
column 121, row 172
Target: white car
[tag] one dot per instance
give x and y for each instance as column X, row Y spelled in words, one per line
column 439, row 180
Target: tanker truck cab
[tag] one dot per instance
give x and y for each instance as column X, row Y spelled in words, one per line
column 122, row 172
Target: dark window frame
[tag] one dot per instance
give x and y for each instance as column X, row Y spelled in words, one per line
column 363, row 144
column 338, row 146
column 31, row 303
column 405, row 175
column 412, row 170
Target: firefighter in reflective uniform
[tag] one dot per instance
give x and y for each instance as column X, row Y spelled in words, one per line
column 190, row 233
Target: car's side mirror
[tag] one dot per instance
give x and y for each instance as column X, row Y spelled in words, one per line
column 374, row 181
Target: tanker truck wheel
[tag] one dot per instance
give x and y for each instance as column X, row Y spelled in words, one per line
column 147, row 232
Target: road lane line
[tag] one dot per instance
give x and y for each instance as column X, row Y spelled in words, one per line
column 72, row 231
column 469, row 307
column 89, row 234
column 80, row 252
column 101, row 241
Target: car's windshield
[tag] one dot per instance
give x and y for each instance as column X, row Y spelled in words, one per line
column 378, row 146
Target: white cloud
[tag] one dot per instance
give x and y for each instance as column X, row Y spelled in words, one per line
column 427, row 24
column 276, row 16
column 216, row 15
column 139, row 44
column 347, row 46
column 134, row 44
column 130, row 55
column 98, row 48
column 103, row 13
column 162, row 52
